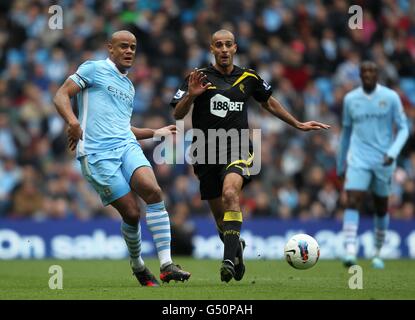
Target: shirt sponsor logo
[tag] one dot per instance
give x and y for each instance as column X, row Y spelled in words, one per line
column 220, row 105
column 117, row 93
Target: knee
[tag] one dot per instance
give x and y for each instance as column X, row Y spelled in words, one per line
column 230, row 197
column 382, row 213
column 354, row 202
column 353, row 205
column 154, row 195
column 381, row 206
column 381, row 210
column 131, row 214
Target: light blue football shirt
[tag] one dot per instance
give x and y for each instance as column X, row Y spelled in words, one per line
column 105, row 106
column 374, row 125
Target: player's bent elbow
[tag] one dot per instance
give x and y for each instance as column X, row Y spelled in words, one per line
column 406, row 132
column 56, row 98
column 59, row 98
column 177, row 116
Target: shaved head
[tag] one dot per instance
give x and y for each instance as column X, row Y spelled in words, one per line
column 222, row 33
column 367, row 64
column 121, row 35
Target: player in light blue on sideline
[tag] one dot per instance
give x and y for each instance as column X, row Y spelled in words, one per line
column 375, row 129
column 111, row 158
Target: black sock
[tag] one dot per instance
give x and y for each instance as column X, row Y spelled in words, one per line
column 222, row 238
column 231, row 232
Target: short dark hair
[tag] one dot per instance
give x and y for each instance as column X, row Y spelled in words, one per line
column 368, row 64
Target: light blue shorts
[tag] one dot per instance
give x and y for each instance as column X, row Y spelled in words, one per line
column 110, row 172
column 376, row 180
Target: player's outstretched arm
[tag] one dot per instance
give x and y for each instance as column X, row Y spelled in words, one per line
column 62, row 102
column 147, row 133
column 196, row 87
column 276, row 108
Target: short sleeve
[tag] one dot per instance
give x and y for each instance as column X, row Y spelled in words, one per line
column 262, row 90
column 180, row 93
column 84, row 76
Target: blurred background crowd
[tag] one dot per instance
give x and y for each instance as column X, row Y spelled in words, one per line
column 304, row 49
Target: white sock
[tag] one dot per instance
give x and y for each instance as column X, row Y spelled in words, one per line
column 159, row 224
column 132, row 237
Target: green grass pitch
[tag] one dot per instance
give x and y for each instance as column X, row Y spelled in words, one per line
column 264, row 279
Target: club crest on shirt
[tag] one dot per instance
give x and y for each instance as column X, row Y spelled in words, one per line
column 382, row 103
column 107, row 191
column 242, row 88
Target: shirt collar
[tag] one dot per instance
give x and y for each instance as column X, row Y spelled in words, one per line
column 235, row 71
column 370, row 95
column 112, row 64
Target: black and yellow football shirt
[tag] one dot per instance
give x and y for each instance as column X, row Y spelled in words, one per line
column 224, row 104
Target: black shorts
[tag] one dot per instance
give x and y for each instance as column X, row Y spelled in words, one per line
column 211, row 177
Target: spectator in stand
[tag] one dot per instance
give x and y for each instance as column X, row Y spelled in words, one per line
column 302, row 49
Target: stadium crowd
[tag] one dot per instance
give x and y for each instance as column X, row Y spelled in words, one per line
column 304, row 49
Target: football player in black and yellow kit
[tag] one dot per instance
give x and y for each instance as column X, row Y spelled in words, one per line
column 219, row 94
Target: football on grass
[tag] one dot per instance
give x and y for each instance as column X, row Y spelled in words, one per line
column 302, row 251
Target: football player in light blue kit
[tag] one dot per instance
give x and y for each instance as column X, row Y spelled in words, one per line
column 111, row 158
column 374, row 131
